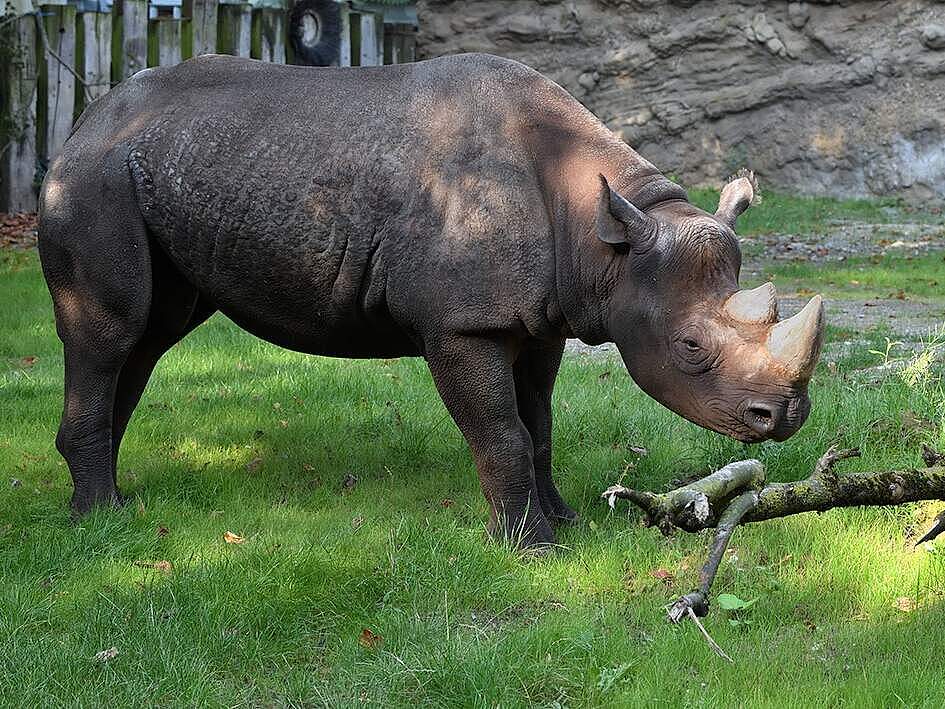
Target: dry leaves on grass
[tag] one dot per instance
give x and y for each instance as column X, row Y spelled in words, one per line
column 106, row 655
column 663, row 575
column 254, row 465
column 905, row 604
column 18, row 230
column 162, row 566
column 231, row 538
column 370, row 640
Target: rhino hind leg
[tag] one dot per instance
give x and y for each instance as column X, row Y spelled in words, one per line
column 475, row 380
column 97, row 267
column 535, row 372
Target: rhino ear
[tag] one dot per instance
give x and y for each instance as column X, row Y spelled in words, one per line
column 619, row 222
column 739, row 193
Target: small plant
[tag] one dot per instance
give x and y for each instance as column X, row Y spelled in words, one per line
column 610, row 676
column 887, row 353
column 736, row 608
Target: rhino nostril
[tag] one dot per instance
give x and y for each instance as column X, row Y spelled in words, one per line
column 761, row 418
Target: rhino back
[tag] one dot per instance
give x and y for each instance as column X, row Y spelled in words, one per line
column 331, row 210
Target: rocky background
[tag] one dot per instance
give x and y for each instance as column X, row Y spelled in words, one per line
column 839, row 98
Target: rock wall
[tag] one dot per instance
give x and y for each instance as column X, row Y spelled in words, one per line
column 840, row 98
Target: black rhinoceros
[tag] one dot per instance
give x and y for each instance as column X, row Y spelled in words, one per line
column 462, row 209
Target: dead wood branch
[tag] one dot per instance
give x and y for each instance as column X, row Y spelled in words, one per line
column 738, row 494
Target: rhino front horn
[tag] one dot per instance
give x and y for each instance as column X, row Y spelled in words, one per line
column 795, row 343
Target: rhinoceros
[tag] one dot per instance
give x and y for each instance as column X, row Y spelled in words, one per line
column 464, row 209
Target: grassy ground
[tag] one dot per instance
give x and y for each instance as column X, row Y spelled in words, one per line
column 237, row 436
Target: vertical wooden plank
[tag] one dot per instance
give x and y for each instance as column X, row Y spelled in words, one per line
column 18, row 78
column 268, row 41
column 370, row 56
column 409, row 53
column 344, row 49
column 93, row 56
column 57, row 89
column 164, row 41
column 202, row 27
column 129, row 39
column 234, row 29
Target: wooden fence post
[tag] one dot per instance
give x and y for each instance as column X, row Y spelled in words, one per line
column 164, row 41
column 344, row 50
column 93, row 56
column 234, row 29
column 18, row 79
column 57, row 85
column 129, row 39
column 268, row 41
column 372, row 52
column 200, row 35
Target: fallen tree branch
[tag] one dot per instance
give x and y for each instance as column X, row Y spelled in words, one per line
column 823, row 490
column 738, row 494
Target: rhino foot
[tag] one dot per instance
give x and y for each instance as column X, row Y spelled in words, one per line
column 529, row 530
column 555, row 508
column 84, row 502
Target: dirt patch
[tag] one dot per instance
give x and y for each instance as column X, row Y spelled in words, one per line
column 844, row 240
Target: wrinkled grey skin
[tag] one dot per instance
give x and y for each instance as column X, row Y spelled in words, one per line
column 449, row 209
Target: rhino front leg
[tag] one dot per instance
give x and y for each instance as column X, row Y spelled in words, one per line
column 535, row 372
column 474, row 378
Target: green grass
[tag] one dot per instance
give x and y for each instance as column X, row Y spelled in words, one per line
column 872, row 277
column 236, row 435
column 791, row 214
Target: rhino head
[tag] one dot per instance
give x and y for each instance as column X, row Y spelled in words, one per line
column 689, row 337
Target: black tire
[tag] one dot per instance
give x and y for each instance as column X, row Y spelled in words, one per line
column 315, row 32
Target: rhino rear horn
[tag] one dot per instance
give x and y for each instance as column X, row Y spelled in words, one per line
column 738, row 195
column 758, row 305
column 795, row 343
column 619, row 222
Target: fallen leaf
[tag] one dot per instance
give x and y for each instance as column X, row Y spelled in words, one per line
column 284, row 423
column 254, row 465
column 357, row 522
column 28, row 361
column 447, row 502
column 163, row 566
column 349, row 482
column 663, row 575
column 370, row 640
column 603, row 376
column 308, row 468
column 106, row 655
column 905, row 604
column 639, row 450
column 231, row 538
column 163, row 531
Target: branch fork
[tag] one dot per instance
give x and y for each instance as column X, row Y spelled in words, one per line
column 739, row 494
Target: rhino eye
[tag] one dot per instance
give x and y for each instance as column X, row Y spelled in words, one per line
column 694, row 350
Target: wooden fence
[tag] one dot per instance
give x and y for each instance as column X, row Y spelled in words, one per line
column 57, row 59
